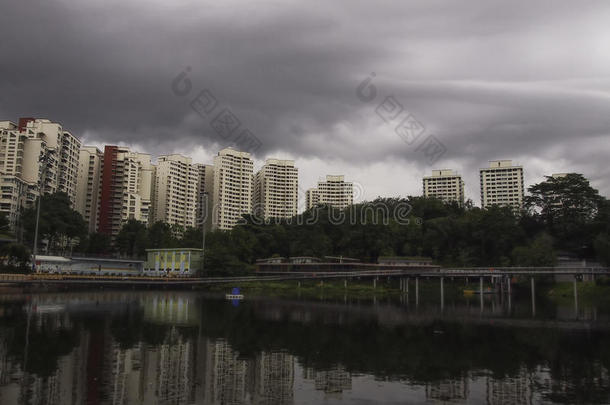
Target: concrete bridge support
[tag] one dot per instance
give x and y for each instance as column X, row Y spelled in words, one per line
column 404, row 285
column 575, row 297
column 416, row 291
column 533, row 296
column 442, row 294
column 508, row 290
column 481, row 292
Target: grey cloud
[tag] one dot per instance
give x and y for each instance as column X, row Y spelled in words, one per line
column 491, row 79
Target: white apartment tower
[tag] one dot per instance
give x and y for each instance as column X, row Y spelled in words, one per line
column 276, row 189
column 335, row 191
column 175, row 191
column 205, row 195
column 27, row 148
column 88, row 185
column 446, row 185
column 126, row 188
column 232, row 197
column 502, row 184
column 312, row 198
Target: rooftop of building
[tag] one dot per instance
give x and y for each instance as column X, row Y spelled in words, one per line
column 231, row 151
column 443, row 173
column 173, row 249
column 501, row 164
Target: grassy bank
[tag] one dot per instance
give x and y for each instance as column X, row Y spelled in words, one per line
column 354, row 289
column 588, row 292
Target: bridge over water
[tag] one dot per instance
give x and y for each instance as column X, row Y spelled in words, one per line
column 404, row 273
column 501, row 277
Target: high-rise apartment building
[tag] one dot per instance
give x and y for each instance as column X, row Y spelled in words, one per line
column 175, row 191
column 502, row 184
column 273, row 378
column 88, row 185
column 312, row 198
column 276, row 189
column 32, row 151
column 335, row 191
column 126, row 188
column 232, row 197
column 205, row 195
column 446, row 185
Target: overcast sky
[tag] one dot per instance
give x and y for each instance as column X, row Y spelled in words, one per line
column 521, row 80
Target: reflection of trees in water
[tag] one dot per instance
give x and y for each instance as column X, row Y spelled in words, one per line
column 253, row 357
column 41, row 361
column 419, row 353
column 50, row 337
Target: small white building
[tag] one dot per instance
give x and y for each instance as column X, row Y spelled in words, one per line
column 53, row 264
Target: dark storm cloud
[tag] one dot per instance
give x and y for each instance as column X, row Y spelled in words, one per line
column 491, row 79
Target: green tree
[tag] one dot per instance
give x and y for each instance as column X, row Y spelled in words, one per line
column 191, row 238
column 602, row 248
column 132, row 239
column 59, row 224
column 567, row 206
column 16, row 255
column 538, row 253
column 4, row 224
column 161, row 235
column 220, row 255
column 564, row 197
column 601, row 227
column 99, row 243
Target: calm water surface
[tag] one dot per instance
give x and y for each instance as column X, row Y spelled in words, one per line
column 190, row 348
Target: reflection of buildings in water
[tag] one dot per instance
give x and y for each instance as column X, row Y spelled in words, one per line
column 510, row 390
column 223, row 377
column 121, row 374
column 448, row 390
column 150, row 375
column 175, row 309
column 99, row 370
column 273, row 378
column 72, row 373
column 573, row 385
column 333, row 381
column 7, row 368
column 224, row 374
column 176, row 369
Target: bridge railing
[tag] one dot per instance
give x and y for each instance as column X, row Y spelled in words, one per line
column 12, row 277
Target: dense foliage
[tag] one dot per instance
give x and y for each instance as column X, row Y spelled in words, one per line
column 562, row 215
column 60, row 226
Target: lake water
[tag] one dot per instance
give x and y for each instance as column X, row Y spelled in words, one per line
column 167, row 347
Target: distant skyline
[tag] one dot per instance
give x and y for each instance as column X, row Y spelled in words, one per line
column 492, row 80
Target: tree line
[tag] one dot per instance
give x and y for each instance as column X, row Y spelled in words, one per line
column 561, row 215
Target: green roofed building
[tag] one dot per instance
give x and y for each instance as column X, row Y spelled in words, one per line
column 172, row 262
